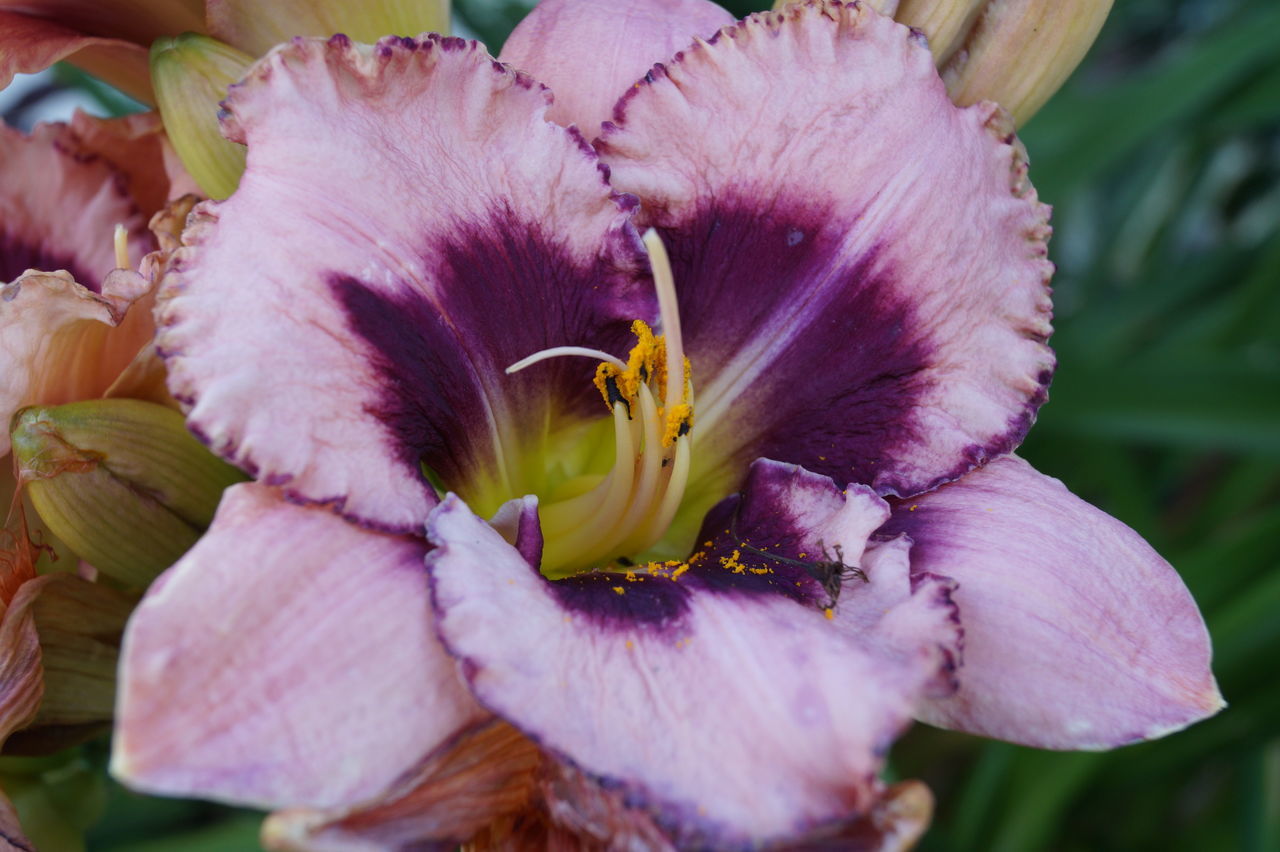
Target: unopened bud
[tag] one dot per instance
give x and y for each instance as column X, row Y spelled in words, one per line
column 1014, row 52
column 120, row 481
column 256, row 26
column 191, row 74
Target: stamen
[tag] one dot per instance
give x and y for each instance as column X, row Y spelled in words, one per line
column 121, row 241
column 559, row 351
column 668, row 307
column 651, row 398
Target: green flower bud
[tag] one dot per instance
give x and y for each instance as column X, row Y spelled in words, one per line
column 1014, row 52
column 191, row 74
column 121, row 482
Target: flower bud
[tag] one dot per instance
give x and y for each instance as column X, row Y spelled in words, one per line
column 191, row 74
column 120, row 481
column 256, row 26
column 1014, row 52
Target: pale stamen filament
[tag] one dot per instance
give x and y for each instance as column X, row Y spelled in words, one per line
column 120, row 241
column 664, row 284
column 629, row 509
column 560, row 351
column 574, row 536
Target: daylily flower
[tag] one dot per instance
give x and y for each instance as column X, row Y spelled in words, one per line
column 725, row 566
column 111, row 39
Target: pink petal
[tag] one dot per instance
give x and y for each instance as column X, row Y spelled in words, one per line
column 591, row 51
column 60, row 203
column 347, row 315
column 1077, row 634
column 32, row 44
column 288, row 659
column 861, row 265
column 137, row 147
column 60, row 342
column 486, row 774
column 717, row 702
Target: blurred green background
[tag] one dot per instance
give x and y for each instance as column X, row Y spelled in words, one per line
column 1162, row 160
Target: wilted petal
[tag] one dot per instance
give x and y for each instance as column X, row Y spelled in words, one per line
column 861, row 265
column 61, row 342
column 385, row 291
column 59, row 207
column 1077, row 634
column 255, row 27
column 485, row 774
column 718, row 700
column 33, row 44
column 21, row 686
column 136, row 146
column 79, row 625
column 591, row 51
column 287, row 660
column 138, row 21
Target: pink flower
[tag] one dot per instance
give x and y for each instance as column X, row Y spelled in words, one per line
column 734, row 583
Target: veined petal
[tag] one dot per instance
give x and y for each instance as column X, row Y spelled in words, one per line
column 861, row 265
column 21, row 684
column 714, row 700
column 386, row 291
column 590, row 51
column 135, row 145
column 33, row 44
column 255, row 27
column 1077, row 634
column 60, row 204
column 60, row 342
column 79, row 623
column 483, row 775
column 287, row 660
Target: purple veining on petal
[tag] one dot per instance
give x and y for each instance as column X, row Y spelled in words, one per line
column 506, row 290
column 17, row 255
column 838, row 395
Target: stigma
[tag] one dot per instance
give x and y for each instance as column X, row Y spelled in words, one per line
column 650, row 399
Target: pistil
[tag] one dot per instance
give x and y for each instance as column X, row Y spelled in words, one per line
column 631, row 507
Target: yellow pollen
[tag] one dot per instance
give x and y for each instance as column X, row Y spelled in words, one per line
column 619, row 590
column 675, row 575
column 679, row 422
column 732, row 563
column 829, row 613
